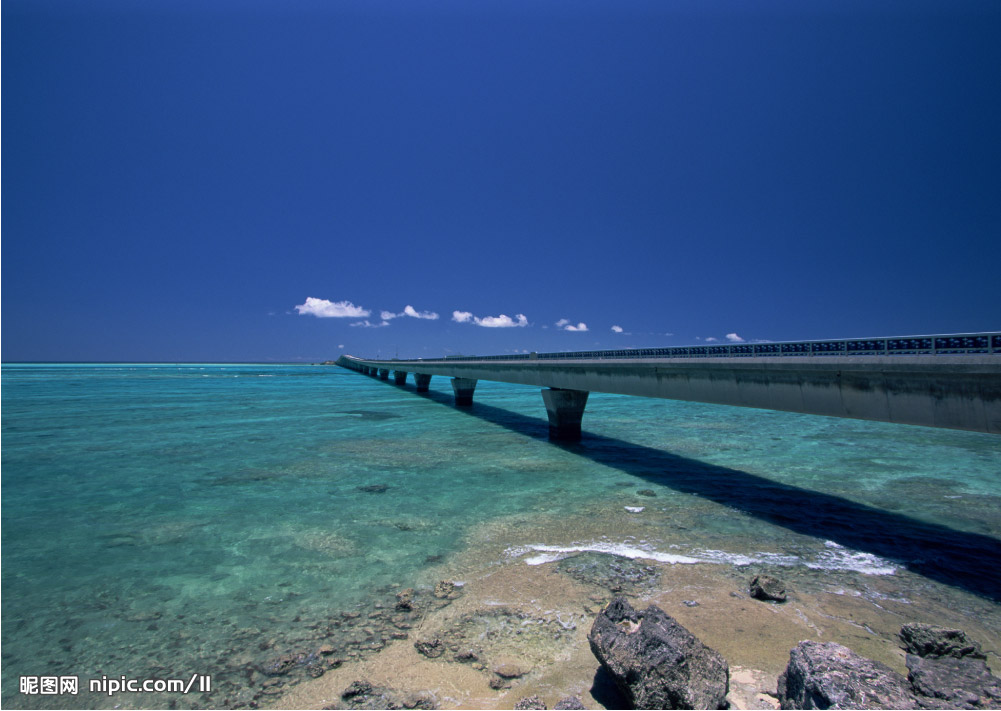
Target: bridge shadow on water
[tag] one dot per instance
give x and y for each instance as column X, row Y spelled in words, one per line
column 970, row 561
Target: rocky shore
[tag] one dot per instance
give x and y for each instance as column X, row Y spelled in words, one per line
column 658, row 664
column 579, row 632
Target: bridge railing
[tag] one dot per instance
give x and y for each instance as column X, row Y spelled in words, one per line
column 950, row 344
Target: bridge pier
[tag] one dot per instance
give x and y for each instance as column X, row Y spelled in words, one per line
column 566, row 410
column 383, row 373
column 422, row 381
column 400, row 377
column 463, row 388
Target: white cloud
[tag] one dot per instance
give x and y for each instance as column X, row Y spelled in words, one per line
column 617, row 329
column 341, row 345
column 734, row 338
column 414, row 313
column 409, row 311
column 565, row 325
column 502, row 321
column 321, row 308
column 367, row 324
column 711, row 339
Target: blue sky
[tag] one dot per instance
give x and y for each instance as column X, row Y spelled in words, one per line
column 250, row 181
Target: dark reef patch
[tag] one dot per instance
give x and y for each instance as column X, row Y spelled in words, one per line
column 612, row 572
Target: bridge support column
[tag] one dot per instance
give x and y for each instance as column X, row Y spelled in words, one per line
column 400, row 377
column 422, row 381
column 565, row 409
column 463, row 388
column 383, row 374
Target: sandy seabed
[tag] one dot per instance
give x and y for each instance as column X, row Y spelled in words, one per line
column 537, row 617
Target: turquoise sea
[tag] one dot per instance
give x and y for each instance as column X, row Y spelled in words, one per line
column 165, row 520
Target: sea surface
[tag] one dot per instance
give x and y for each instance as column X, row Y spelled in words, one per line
column 160, row 521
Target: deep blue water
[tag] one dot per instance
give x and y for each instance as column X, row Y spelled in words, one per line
column 160, row 520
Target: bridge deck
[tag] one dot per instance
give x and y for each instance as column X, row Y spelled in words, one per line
column 957, row 386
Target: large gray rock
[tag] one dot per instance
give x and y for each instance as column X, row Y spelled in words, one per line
column 657, row 663
column 947, row 669
column 829, row 676
column 931, row 641
column 948, row 682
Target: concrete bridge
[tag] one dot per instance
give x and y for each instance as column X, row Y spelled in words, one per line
column 951, row 381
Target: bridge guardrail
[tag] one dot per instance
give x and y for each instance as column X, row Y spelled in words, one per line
column 949, row 344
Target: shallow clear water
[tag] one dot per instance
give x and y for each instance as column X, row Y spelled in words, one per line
column 162, row 520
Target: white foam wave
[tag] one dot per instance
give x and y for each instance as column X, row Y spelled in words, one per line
column 552, row 553
column 834, row 557
column 837, row 557
column 739, row 559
